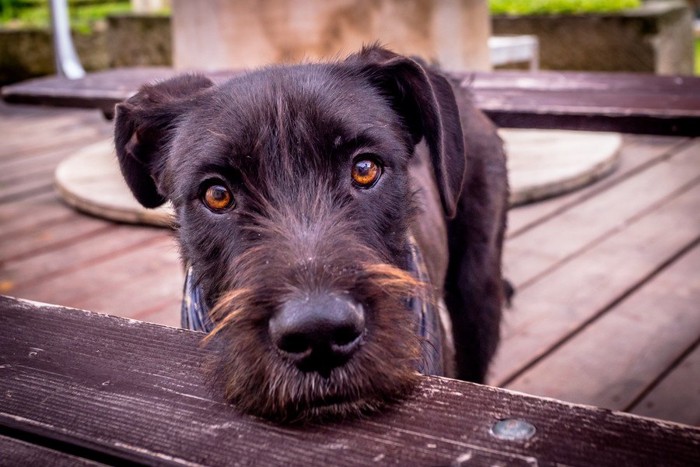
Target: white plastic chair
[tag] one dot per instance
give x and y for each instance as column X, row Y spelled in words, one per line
column 67, row 61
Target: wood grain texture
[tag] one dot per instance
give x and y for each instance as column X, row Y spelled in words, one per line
column 51, row 236
column 676, row 396
column 614, row 359
column 636, row 155
column 60, row 139
column 145, row 275
column 624, row 102
column 586, row 81
column 56, row 129
column 17, row 453
column 95, row 249
column 44, row 244
column 568, row 234
column 45, row 208
column 135, row 391
column 576, row 291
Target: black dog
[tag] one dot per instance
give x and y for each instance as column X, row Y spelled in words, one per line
column 328, row 213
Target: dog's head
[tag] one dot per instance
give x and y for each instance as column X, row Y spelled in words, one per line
column 292, row 198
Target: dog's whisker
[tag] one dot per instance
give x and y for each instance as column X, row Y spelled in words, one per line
column 391, row 273
column 228, row 301
column 396, row 282
column 225, row 311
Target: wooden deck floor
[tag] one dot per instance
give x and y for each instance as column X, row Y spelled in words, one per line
column 607, row 310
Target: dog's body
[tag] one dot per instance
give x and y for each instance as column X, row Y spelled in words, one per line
column 318, row 205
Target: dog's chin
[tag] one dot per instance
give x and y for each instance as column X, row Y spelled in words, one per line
column 275, row 389
column 326, row 411
column 336, row 397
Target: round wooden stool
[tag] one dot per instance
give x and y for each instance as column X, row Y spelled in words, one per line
column 541, row 164
column 546, row 163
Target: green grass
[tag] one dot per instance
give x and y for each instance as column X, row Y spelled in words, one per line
column 697, row 56
column 83, row 15
column 544, row 7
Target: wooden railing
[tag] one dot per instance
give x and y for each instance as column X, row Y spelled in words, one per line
column 79, row 386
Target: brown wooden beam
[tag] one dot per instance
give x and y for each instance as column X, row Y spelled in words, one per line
column 112, row 390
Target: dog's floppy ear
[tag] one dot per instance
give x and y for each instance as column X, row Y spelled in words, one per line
column 426, row 102
column 143, row 127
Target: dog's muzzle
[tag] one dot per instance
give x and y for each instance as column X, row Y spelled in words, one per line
column 195, row 314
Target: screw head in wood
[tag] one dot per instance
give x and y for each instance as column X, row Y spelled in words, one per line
column 513, row 429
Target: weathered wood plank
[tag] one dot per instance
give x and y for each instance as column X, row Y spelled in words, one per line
column 29, row 175
column 23, row 127
column 637, row 154
column 43, row 243
column 22, row 453
column 70, row 138
column 10, row 114
column 22, row 119
column 676, row 396
column 89, row 251
column 144, row 293
column 24, row 170
column 596, row 111
column 573, row 80
column 9, row 194
column 134, row 281
column 614, row 359
column 45, row 208
column 572, row 231
column 135, row 391
column 44, row 237
column 565, row 299
column 632, row 103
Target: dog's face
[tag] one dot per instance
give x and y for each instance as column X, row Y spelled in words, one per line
column 293, row 203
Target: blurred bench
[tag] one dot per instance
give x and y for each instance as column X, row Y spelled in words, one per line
column 79, row 386
column 515, row 49
column 626, row 103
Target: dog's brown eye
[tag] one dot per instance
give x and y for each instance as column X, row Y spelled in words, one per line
column 365, row 173
column 218, row 198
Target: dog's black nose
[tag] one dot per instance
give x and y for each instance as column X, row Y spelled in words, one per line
column 318, row 332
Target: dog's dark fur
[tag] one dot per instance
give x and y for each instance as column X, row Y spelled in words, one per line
column 283, row 140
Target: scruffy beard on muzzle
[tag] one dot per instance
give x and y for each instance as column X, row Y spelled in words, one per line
column 252, row 375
